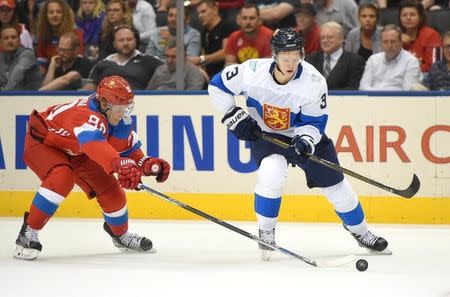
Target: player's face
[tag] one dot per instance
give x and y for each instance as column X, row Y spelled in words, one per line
column 391, row 43
column 288, row 61
column 54, row 14
column 115, row 113
column 249, row 20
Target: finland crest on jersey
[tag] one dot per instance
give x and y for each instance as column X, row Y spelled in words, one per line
column 296, row 108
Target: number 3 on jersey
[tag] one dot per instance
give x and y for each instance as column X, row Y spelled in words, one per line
column 323, row 101
column 232, row 73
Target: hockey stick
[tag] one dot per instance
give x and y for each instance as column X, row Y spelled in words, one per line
column 410, row 191
column 317, row 263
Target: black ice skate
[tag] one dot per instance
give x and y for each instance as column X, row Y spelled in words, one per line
column 28, row 246
column 375, row 244
column 130, row 241
column 269, row 237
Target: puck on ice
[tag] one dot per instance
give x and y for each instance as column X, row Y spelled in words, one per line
column 362, row 265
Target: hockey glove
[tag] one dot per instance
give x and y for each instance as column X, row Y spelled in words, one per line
column 242, row 125
column 303, row 145
column 155, row 166
column 128, row 173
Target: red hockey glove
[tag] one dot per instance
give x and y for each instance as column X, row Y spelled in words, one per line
column 128, row 172
column 155, row 166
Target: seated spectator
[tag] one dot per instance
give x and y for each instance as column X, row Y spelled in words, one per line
column 252, row 41
column 229, row 10
column 393, row 68
column 214, row 38
column 430, row 5
column 67, row 68
column 364, row 40
column 277, row 13
column 18, row 67
column 55, row 19
column 161, row 38
column 144, row 20
column 8, row 17
column 439, row 76
column 89, row 18
column 308, row 27
column 417, row 37
column 342, row 70
column 117, row 13
column 343, row 12
column 128, row 62
column 165, row 75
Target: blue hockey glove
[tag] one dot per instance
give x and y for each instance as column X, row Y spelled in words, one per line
column 303, row 145
column 242, row 125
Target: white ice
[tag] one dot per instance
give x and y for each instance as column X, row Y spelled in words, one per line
column 200, row 258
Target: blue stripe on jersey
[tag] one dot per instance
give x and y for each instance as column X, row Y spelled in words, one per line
column 268, row 207
column 319, row 122
column 299, row 71
column 129, row 151
column 89, row 136
column 92, row 105
column 44, row 205
column 252, row 102
column 218, row 82
column 121, row 131
column 353, row 217
column 116, row 221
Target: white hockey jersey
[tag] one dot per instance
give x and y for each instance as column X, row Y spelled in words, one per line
column 296, row 108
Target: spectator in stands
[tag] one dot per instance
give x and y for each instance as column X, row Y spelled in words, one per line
column 277, row 13
column 418, row 38
column 252, row 41
column 161, row 38
column 365, row 39
column 308, row 27
column 435, row 4
column 128, row 62
column 117, row 13
column 229, row 10
column 165, row 75
column 392, row 69
column 439, row 76
column 55, row 19
column 144, row 20
column 8, row 17
column 342, row 70
column 214, row 38
column 18, row 67
column 89, row 18
column 343, row 12
column 67, row 68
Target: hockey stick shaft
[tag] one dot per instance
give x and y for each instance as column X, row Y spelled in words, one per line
column 227, row 225
column 412, row 189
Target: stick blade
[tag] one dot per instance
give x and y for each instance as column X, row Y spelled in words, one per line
column 411, row 190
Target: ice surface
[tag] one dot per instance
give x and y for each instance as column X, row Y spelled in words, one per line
column 200, row 258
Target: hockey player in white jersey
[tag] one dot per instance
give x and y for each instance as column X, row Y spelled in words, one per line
column 286, row 98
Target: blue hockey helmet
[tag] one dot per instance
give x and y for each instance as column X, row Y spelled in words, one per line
column 286, row 39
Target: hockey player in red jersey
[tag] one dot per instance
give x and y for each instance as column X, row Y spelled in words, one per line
column 85, row 142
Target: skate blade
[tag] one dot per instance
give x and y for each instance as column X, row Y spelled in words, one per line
column 265, row 255
column 25, row 254
column 386, row 251
column 132, row 251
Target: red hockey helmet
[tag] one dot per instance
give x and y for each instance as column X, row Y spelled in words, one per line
column 116, row 90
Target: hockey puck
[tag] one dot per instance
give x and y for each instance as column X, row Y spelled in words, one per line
column 155, row 168
column 362, row 265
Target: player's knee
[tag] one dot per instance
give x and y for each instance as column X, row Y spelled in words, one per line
column 112, row 199
column 60, row 179
column 272, row 175
column 341, row 196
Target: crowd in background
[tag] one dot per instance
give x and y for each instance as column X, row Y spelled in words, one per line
column 356, row 45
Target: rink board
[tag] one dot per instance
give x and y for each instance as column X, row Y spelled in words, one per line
column 385, row 138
